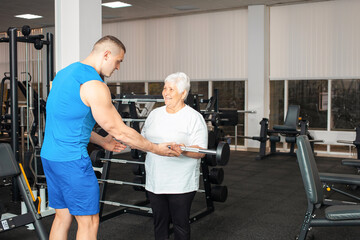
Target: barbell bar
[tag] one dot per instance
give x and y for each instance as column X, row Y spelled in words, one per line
column 134, row 119
column 218, row 193
column 142, row 185
column 222, row 152
column 120, row 161
column 117, row 204
column 127, row 100
column 117, row 182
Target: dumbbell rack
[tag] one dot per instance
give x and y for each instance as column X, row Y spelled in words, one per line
column 140, row 208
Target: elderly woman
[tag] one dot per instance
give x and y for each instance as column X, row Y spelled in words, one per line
column 171, row 182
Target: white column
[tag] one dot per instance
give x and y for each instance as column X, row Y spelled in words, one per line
column 258, row 69
column 77, row 27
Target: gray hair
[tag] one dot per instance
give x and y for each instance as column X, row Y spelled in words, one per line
column 181, row 80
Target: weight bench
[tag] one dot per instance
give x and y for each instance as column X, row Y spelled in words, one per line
column 10, row 168
column 340, row 214
column 291, row 121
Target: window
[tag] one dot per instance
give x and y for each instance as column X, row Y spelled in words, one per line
column 345, row 103
column 310, row 95
column 137, row 88
column 201, row 89
column 156, row 88
column 231, row 94
column 276, row 103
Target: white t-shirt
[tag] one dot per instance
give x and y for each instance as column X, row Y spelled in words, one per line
column 174, row 174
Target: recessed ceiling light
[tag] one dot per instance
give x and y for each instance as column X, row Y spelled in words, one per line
column 116, row 4
column 28, row 16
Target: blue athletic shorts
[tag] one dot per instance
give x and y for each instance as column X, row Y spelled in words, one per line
column 72, row 185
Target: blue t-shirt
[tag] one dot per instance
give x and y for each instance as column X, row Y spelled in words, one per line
column 69, row 121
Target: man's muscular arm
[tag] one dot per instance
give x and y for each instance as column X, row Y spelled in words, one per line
column 96, row 95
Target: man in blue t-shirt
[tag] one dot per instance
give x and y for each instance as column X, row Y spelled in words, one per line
column 79, row 98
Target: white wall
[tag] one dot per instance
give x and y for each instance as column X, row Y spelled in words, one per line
column 208, row 46
column 77, row 28
column 315, row 40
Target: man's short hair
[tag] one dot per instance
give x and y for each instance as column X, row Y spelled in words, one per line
column 111, row 39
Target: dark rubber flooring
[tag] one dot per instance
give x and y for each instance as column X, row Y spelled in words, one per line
column 266, row 201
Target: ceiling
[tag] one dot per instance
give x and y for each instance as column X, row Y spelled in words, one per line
column 140, row 9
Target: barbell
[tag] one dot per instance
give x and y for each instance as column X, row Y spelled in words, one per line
column 222, row 155
column 222, row 152
column 135, row 100
column 217, row 193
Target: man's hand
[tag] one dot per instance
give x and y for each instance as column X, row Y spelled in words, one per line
column 109, row 143
column 168, row 149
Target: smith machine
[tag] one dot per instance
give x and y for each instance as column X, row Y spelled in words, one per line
column 34, row 134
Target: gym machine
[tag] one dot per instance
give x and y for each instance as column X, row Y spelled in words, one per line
column 289, row 130
column 35, row 106
column 10, row 167
column 322, row 212
column 330, row 182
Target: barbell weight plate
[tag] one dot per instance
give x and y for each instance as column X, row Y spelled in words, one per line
column 38, row 44
column 222, row 153
column 95, row 157
column 219, row 193
column 216, row 175
column 26, row 30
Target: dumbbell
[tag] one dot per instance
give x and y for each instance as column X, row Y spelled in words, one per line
column 222, row 152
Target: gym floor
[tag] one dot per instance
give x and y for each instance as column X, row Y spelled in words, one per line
column 266, row 201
